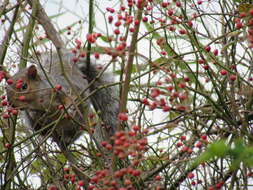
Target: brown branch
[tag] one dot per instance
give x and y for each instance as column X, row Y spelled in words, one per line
column 125, row 90
column 5, row 43
column 49, row 28
column 28, row 36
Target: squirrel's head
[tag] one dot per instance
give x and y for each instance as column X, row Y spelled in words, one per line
column 24, row 89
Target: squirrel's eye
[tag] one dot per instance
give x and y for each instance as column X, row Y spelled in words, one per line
column 24, row 86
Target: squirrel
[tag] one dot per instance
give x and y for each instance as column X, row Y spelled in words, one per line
column 58, row 98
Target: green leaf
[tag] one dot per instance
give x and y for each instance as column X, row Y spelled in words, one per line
column 152, row 31
column 204, row 157
column 161, row 60
column 219, row 149
column 104, row 38
column 244, row 7
column 51, row 17
column 134, row 70
column 36, row 166
column 57, row 15
column 61, row 158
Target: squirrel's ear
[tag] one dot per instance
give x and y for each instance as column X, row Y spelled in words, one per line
column 32, row 72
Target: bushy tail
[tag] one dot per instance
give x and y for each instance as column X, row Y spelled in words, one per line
column 104, row 97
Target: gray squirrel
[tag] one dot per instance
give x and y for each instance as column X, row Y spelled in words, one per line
column 58, row 103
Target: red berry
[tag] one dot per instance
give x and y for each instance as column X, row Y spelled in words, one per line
column 189, row 150
column 104, row 143
column 110, row 19
column 170, row 12
column 61, row 107
column 237, row 20
column 170, row 88
column 145, row 19
column 158, row 178
column 22, row 98
column 185, row 149
column 223, row 72
column 4, row 103
column 171, row 28
column 127, row 182
column 117, row 31
column 136, row 173
column 203, row 137
column 91, row 187
column 7, row 145
column 19, row 85
column 80, row 183
column 66, row 170
column 183, row 138
column 74, row 59
column 136, row 22
column 136, row 127
column 215, row 52
column 164, row 53
column 206, row 67
column 9, row 81
column 117, row 142
column 78, row 42
column 199, row 2
column 117, row 24
column 155, row 92
column 251, row 12
column 242, row 15
column 232, row 77
column 91, row 38
column 193, row 183
column 190, row 175
column 73, row 179
column 108, row 147
column 199, row 144
column 58, row 87
column 153, row 106
column 190, row 24
column 164, row 4
column 131, row 29
column 14, row 112
column 6, row 115
column 181, row 85
column 179, row 144
column 132, row 133
column 175, row 94
column 239, row 25
column 182, row 31
column 201, row 61
column 96, row 55
column 178, row 4
column 52, row 187
column 166, row 108
column 82, row 54
column 122, row 117
column 207, row 48
column 122, row 8
column 186, row 79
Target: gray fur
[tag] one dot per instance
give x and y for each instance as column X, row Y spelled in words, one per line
column 66, row 131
